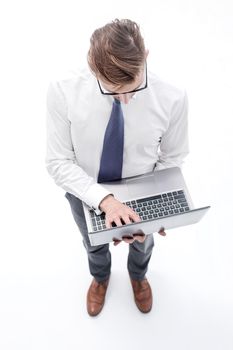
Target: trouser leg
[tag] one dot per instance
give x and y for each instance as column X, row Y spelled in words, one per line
column 99, row 257
column 139, row 257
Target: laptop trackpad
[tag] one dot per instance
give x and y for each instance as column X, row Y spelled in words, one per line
column 141, row 186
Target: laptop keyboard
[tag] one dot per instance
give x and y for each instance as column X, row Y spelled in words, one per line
column 149, row 208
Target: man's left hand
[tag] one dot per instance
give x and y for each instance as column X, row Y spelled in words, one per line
column 140, row 237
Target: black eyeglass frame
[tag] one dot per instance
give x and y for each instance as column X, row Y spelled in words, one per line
column 123, row 93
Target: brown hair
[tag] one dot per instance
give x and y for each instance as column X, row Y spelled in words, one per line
column 117, row 52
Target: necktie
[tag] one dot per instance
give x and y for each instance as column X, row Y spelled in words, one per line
column 113, row 145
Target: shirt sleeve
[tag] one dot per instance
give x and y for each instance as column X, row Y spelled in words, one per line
column 174, row 145
column 61, row 162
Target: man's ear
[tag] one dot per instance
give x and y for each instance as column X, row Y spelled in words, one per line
column 146, row 53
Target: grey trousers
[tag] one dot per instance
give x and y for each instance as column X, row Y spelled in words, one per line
column 99, row 257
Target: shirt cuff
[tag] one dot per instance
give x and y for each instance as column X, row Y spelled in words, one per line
column 94, row 196
column 162, row 166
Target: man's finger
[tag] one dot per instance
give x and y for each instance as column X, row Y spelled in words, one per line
column 128, row 239
column 140, row 237
column 117, row 221
column 162, row 232
column 116, row 241
column 126, row 219
column 135, row 217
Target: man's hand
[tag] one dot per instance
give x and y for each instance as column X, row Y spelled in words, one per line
column 116, row 212
column 119, row 214
column 140, row 237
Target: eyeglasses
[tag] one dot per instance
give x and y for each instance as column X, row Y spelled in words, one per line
column 123, row 93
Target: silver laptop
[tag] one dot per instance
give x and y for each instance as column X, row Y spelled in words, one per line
column 160, row 198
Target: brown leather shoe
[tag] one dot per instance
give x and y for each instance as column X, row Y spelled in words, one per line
column 96, row 296
column 142, row 294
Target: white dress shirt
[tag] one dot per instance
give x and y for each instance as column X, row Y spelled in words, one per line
column 155, row 132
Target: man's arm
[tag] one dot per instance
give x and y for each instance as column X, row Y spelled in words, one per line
column 61, row 162
column 174, row 144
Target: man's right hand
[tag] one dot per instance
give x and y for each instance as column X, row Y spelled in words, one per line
column 116, row 212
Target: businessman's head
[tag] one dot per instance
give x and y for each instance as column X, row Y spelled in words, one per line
column 117, row 57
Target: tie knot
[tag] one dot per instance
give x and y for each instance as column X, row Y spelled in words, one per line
column 117, row 101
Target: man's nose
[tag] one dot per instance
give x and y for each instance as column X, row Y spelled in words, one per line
column 124, row 98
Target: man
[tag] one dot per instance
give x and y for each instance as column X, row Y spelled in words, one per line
column 113, row 121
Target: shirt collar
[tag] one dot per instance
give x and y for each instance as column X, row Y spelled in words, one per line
column 134, row 97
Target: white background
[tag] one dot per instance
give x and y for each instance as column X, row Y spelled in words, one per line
column 43, row 266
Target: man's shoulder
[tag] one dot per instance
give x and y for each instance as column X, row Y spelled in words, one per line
column 164, row 88
column 71, row 79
